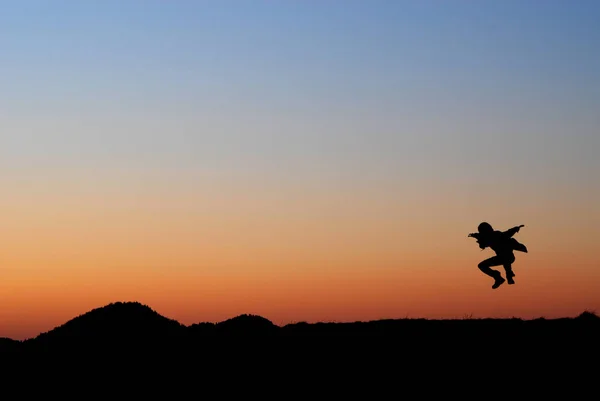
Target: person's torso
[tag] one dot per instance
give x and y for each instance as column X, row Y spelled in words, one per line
column 500, row 243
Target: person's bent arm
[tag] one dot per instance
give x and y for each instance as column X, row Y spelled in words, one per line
column 512, row 231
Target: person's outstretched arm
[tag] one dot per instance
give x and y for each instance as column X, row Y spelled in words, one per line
column 512, row 231
column 477, row 236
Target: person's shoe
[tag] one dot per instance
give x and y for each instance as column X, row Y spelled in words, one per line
column 499, row 281
column 509, row 278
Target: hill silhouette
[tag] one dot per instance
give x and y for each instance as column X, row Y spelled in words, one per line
column 119, row 324
column 133, row 326
column 127, row 340
column 240, row 326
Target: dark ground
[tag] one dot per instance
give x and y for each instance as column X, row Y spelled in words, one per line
column 479, row 356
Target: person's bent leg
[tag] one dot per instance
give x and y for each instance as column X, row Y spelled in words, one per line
column 486, row 267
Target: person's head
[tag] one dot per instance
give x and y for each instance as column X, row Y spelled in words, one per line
column 485, row 228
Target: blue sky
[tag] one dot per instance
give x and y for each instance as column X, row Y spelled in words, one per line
column 363, row 88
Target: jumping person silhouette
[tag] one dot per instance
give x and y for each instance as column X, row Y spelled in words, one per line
column 504, row 245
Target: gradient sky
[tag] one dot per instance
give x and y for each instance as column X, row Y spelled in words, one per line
column 300, row 160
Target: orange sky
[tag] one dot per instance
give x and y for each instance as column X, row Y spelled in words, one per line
column 288, row 253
